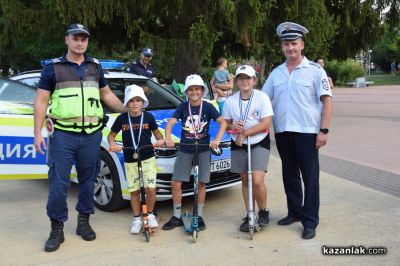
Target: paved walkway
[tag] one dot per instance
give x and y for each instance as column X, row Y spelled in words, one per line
column 363, row 147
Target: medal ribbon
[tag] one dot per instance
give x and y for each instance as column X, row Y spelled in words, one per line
column 132, row 134
column 196, row 130
column 246, row 113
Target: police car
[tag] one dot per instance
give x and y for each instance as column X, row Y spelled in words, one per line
column 19, row 159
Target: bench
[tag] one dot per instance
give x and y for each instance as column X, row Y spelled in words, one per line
column 360, row 83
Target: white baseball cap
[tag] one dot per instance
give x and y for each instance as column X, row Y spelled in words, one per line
column 247, row 70
column 135, row 91
column 193, row 80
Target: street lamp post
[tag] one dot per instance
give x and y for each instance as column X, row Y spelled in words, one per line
column 369, row 62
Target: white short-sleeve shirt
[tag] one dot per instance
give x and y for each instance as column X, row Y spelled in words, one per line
column 260, row 107
column 296, row 96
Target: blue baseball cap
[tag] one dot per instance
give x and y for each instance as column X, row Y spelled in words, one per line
column 147, row 51
column 76, row 28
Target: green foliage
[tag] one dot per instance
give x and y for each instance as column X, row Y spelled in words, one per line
column 344, row 71
column 387, row 49
column 190, row 35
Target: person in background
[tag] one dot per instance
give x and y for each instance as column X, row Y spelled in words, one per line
column 142, row 66
column 222, row 82
column 321, row 62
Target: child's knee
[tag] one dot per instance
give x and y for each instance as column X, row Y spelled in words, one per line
column 151, row 191
column 135, row 193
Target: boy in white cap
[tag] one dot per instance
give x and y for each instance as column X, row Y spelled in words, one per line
column 195, row 115
column 249, row 112
column 302, row 102
column 137, row 127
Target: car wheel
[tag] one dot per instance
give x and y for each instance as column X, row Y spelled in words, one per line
column 107, row 188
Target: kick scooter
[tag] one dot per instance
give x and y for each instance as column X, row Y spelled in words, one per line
column 191, row 221
column 253, row 222
column 147, row 231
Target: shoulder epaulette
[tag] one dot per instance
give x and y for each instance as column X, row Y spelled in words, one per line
column 56, row 60
column 94, row 60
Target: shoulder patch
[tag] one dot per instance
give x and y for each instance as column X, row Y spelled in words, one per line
column 325, row 84
column 315, row 64
column 56, row 60
column 96, row 61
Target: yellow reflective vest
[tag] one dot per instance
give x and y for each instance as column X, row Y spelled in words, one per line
column 75, row 103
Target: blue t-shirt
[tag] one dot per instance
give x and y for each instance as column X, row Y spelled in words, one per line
column 139, row 69
column 149, row 124
column 48, row 78
column 188, row 134
column 221, row 76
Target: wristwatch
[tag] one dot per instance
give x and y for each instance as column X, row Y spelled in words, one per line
column 324, row 130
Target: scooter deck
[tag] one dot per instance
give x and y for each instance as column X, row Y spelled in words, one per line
column 187, row 222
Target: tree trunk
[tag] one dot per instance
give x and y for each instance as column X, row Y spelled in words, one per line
column 186, row 61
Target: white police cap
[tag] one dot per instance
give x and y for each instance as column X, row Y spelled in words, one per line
column 289, row 31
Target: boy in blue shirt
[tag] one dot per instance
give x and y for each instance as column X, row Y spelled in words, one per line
column 195, row 115
column 137, row 127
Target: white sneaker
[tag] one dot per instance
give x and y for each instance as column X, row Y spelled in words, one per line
column 136, row 226
column 152, row 221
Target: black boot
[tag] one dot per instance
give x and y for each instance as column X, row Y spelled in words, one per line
column 56, row 236
column 84, row 229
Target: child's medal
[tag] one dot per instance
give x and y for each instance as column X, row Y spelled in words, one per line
column 135, row 154
column 196, row 129
column 243, row 118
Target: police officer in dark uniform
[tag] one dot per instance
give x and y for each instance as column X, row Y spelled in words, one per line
column 302, row 102
column 75, row 84
column 143, row 66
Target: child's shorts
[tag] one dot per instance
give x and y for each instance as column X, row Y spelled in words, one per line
column 149, row 169
column 259, row 159
column 183, row 167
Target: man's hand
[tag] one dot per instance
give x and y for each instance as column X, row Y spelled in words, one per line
column 39, row 142
column 321, row 140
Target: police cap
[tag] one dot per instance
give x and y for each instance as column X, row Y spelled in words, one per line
column 76, row 28
column 289, row 31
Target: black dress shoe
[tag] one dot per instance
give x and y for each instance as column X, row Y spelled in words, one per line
column 288, row 220
column 308, row 233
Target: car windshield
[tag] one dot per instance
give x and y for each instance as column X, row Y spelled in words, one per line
column 159, row 97
column 14, row 92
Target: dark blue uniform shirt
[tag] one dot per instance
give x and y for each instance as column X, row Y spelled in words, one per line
column 137, row 68
column 48, row 78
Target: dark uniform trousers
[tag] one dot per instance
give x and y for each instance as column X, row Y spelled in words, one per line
column 68, row 149
column 300, row 161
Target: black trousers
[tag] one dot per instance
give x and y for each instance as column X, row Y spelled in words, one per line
column 300, row 162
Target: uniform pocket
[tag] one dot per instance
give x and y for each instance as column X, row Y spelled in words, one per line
column 68, row 105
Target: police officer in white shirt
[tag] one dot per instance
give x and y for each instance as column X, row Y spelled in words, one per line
column 302, row 104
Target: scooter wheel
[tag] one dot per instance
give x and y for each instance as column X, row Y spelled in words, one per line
column 147, row 235
column 251, row 231
column 194, row 236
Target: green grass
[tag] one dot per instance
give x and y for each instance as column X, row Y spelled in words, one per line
column 384, row 79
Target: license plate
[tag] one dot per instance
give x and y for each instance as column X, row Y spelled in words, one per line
column 220, row 165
